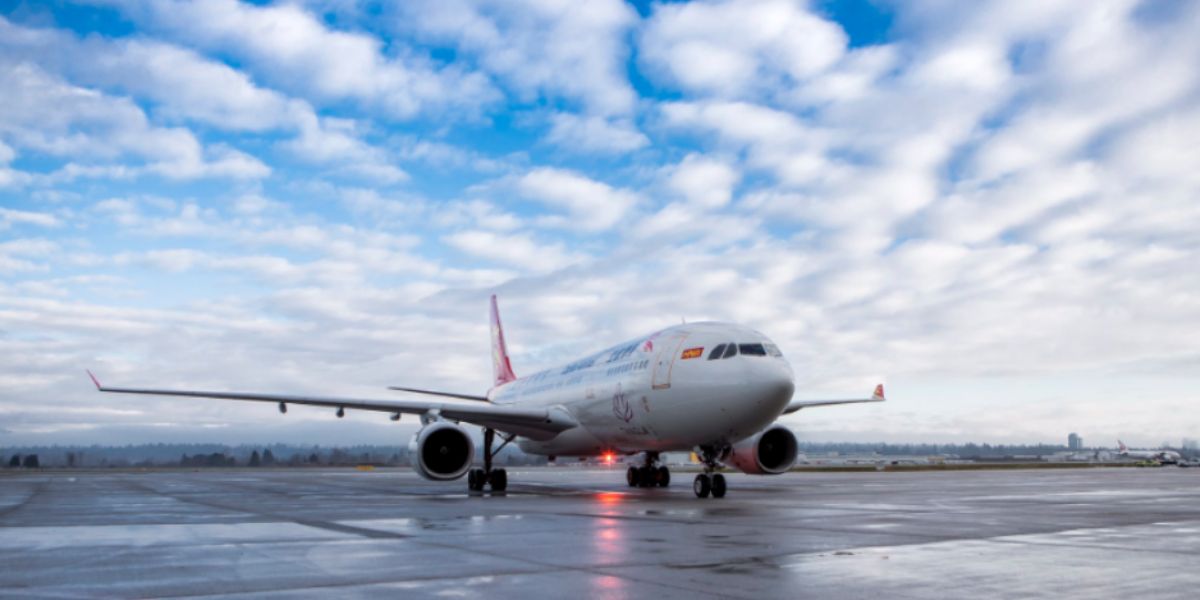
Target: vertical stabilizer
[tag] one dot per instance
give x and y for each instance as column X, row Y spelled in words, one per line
column 501, row 367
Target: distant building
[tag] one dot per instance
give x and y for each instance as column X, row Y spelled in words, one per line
column 1074, row 442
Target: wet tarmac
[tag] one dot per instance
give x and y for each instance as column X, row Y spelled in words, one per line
column 570, row 533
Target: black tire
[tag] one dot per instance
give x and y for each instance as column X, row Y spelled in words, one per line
column 664, row 477
column 701, row 486
column 646, row 474
column 499, row 480
column 718, row 486
column 475, row 480
column 631, row 476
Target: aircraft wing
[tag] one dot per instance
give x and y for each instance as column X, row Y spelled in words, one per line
column 796, row 405
column 436, row 393
column 534, row 423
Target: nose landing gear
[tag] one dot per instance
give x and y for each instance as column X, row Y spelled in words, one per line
column 649, row 474
column 709, row 482
column 477, row 479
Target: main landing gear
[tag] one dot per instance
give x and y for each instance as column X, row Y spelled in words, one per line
column 648, row 475
column 477, row 479
column 709, row 482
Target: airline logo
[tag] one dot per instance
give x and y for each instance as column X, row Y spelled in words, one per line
column 693, row 353
column 621, row 408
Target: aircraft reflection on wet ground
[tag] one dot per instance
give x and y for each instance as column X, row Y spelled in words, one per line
column 571, row 532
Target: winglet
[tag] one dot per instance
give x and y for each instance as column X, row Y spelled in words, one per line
column 94, row 380
column 501, row 367
column 878, row 395
column 1121, row 446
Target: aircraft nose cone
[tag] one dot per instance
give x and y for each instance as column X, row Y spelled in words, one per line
column 771, row 383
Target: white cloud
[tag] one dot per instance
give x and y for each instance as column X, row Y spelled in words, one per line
column 185, row 86
column 739, row 49
column 554, row 48
column 476, row 213
column 9, row 216
column 336, row 141
column 978, row 215
column 45, row 114
column 290, row 48
column 25, row 255
column 591, row 205
column 519, row 250
column 772, row 139
column 704, row 181
column 1159, row 150
column 595, row 134
column 857, row 74
column 8, row 176
column 977, row 66
column 445, row 156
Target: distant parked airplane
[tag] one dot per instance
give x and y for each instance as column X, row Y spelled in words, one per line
column 1166, row 457
column 714, row 388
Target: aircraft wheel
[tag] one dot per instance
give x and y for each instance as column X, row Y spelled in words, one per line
column 475, row 480
column 631, row 476
column 649, row 477
column 499, row 479
column 701, row 486
column 718, row 486
column 664, row 477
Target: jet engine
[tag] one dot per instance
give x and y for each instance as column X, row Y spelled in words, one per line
column 441, row 451
column 769, row 452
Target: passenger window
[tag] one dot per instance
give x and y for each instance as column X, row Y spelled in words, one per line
column 716, row 352
column 752, row 349
column 730, row 350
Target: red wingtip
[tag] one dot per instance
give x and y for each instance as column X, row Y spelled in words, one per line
column 94, row 380
column 879, row 392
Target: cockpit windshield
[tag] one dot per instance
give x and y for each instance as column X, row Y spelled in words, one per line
column 730, row 349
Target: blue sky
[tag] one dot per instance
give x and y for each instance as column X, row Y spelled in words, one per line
column 992, row 206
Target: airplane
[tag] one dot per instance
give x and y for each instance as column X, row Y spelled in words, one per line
column 712, row 388
column 1166, row 457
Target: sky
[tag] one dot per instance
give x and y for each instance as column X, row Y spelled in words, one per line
column 991, row 207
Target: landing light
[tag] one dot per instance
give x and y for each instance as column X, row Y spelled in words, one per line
column 608, row 458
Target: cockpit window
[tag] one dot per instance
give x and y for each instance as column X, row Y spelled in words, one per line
column 716, row 352
column 752, row 349
column 772, row 350
column 730, row 350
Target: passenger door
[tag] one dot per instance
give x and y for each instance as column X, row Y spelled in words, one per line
column 664, row 360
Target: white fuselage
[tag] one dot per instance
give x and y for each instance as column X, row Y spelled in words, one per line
column 1165, row 456
column 660, row 392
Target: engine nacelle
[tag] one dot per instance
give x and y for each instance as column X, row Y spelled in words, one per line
column 441, row 451
column 769, row 452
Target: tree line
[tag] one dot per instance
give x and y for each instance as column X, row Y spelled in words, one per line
column 219, row 455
